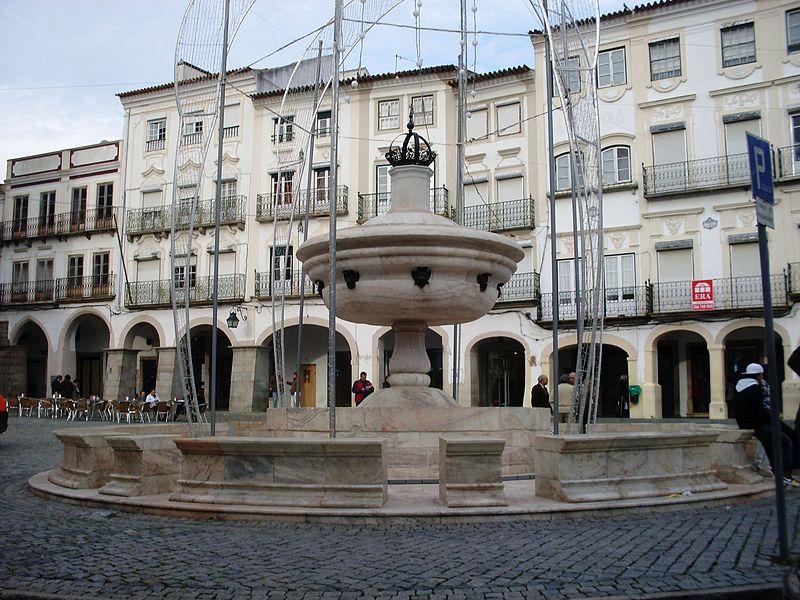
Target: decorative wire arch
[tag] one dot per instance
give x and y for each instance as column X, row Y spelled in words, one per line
column 572, row 28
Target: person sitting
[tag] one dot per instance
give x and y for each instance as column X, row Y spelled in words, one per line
column 749, row 412
column 152, row 401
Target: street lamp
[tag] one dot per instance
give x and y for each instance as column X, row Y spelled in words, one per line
column 233, row 319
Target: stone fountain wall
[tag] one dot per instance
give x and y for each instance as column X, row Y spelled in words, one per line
column 412, row 434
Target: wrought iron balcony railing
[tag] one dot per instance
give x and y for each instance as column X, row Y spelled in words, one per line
column 372, row 205
column 146, row 294
column 268, row 206
column 82, row 222
column 522, row 287
column 64, row 289
column 617, row 303
column 501, row 216
column 734, row 293
column 788, row 163
column 233, row 211
column 267, row 285
column 793, row 276
column 693, row 175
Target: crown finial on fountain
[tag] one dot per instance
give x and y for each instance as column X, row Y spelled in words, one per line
column 415, row 149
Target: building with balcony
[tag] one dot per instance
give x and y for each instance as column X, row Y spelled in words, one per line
column 680, row 83
column 677, row 211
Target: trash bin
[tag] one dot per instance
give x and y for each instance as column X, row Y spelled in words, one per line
column 634, row 391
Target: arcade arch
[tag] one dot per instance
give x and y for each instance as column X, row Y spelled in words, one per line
column 37, row 381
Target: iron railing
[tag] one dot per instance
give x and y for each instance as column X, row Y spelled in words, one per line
column 793, row 277
column 617, row 303
column 28, row 292
column 140, row 294
column 72, row 223
column 372, row 205
column 63, row 289
column 734, row 293
column 233, row 210
column 788, row 163
column 692, row 175
column 267, row 286
column 501, row 216
column 522, row 287
column 270, row 205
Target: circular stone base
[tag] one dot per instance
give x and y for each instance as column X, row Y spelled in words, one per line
column 409, row 397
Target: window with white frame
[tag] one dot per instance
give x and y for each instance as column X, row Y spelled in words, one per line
column 324, row 123
column 228, row 189
column 611, row 68
column 571, row 76
column 566, row 285
column 794, row 123
column 738, row 44
column 78, row 214
column 228, row 197
column 736, row 135
column 793, row 31
column 422, row 106
column 282, row 187
column 508, row 118
column 282, row 129
column 616, row 162
column 477, row 124
column 19, row 274
column 75, row 271
column 192, row 131
column 322, row 181
column 156, row 134
column 665, row 59
column 184, row 274
column 20, row 213
column 105, row 200
column 47, row 209
column 44, row 277
column 231, row 124
column 101, row 271
column 564, row 173
column 620, row 277
column 388, row 114
column 383, row 189
column 281, row 273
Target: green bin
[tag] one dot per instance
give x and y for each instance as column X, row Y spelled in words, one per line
column 634, row 391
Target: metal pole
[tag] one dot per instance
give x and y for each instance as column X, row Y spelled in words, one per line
column 312, row 137
column 772, row 378
column 462, row 126
column 212, row 397
column 337, row 40
column 553, row 257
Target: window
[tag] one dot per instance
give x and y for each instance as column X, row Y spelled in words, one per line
column 281, row 263
column 228, row 199
column 571, row 77
column 422, row 106
column 736, row 135
column 794, row 121
column 675, row 265
column 793, row 31
column 665, row 59
column 508, row 118
column 20, row 215
column 19, row 281
column 156, row 134
column 321, row 184
column 564, row 172
column 324, row 123
column 100, row 269
column 75, row 272
column 620, row 278
column 282, row 130
column 388, row 114
column 77, row 218
column 282, row 194
column 616, row 165
column 231, row 126
column 44, row 278
column 47, row 210
column 192, row 131
column 228, row 189
column 566, row 287
column 105, row 200
column 180, row 275
column 738, row 45
column 477, row 124
column 611, row 68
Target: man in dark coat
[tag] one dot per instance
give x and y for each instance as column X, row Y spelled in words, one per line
column 749, row 411
column 540, row 396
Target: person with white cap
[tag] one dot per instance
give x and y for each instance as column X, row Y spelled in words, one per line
column 749, row 411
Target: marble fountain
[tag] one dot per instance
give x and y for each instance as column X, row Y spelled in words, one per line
column 407, row 269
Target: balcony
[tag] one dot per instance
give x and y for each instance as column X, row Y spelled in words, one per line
column 152, row 145
column 788, row 162
column 84, row 222
column 230, row 132
column 294, row 203
column 372, row 205
column 618, row 303
column 522, row 288
column 730, row 294
column 233, row 211
column 158, row 294
column 62, row 290
column 696, row 175
column 501, row 216
column 266, row 287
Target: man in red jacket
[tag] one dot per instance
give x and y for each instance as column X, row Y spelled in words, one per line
column 362, row 388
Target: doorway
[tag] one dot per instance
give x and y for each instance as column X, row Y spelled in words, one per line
column 90, row 374
column 308, row 386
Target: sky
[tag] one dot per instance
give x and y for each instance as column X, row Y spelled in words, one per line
column 64, row 60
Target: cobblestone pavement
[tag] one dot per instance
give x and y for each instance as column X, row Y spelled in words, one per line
column 48, row 547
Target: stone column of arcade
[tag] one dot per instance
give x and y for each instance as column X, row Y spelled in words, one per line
column 411, row 269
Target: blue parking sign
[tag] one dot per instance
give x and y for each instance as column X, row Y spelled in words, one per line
column 760, row 157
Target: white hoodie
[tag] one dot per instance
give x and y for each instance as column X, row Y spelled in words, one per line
column 745, row 383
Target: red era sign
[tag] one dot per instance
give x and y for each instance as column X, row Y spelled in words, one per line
column 702, row 294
